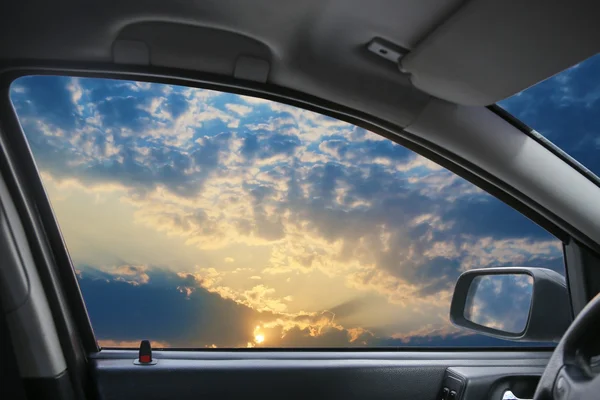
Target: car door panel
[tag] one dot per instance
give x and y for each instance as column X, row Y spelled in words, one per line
column 348, row 375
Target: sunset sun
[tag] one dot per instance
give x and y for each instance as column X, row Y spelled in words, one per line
column 259, row 338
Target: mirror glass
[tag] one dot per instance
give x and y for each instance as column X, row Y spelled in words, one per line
column 500, row 302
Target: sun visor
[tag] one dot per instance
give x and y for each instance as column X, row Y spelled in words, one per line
column 489, row 50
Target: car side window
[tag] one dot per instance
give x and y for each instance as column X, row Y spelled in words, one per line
column 201, row 219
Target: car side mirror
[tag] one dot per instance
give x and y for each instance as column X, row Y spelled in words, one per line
column 516, row 303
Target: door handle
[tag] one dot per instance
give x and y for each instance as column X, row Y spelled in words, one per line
column 508, row 395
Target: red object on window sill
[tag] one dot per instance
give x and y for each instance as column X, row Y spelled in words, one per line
column 145, row 352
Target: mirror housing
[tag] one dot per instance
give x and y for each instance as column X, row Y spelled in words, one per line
column 549, row 314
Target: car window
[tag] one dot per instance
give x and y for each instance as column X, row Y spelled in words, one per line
column 202, row 219
column 565, row 109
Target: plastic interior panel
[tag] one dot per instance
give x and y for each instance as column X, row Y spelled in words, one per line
column 294, row 375
column 33, row 332
column 212, row 50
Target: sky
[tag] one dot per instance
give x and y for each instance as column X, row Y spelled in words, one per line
column 203, row 219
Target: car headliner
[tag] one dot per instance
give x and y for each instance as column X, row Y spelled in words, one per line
column 473, row 53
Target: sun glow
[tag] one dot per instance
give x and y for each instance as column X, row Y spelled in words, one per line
column 259, row 338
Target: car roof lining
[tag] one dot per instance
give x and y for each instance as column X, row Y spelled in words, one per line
column 467, row 52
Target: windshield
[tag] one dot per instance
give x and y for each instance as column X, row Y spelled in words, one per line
column 565, row 109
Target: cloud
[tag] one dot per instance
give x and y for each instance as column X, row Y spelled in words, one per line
column 429, row 331
column 135, row 275
column 239, row 109
column 204, row 319
column 283, row 194
column 126, row 142
column 159, row 311
column 197, row 318
column 259, row 297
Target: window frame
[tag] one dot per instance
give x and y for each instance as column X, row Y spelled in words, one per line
column 17, row 155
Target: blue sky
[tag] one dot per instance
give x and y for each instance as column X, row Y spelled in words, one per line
column 196, row 218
